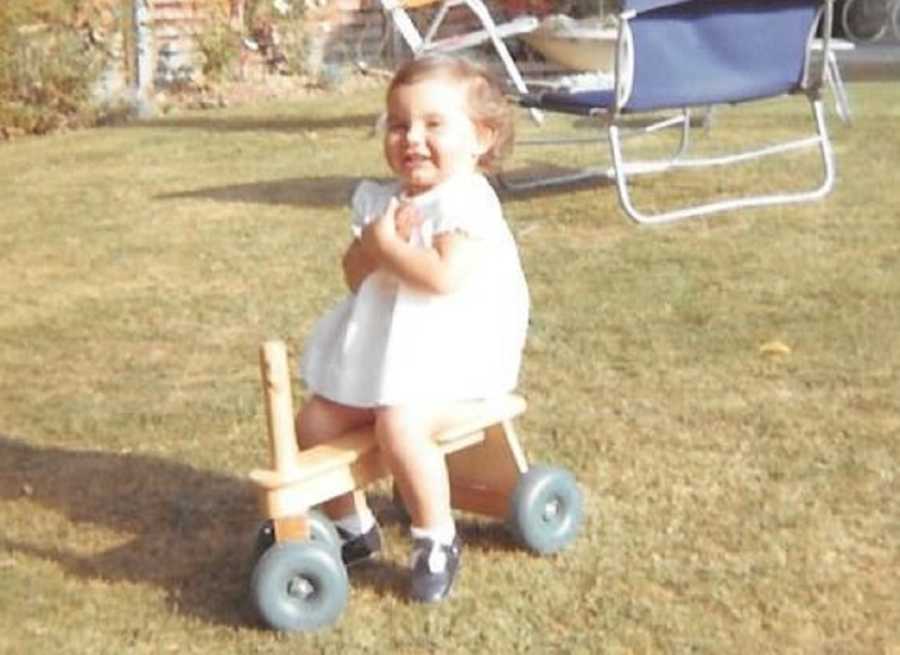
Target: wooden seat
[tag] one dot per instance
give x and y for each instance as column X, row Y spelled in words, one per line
column 474, row 418
column 484, row 458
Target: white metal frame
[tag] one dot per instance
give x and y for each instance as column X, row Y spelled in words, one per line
column 429, row 42
column 834, row 78
column 622, row 170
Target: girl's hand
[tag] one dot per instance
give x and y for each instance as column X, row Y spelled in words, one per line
column 407, row 218
column 442, row 268
column 382, row 232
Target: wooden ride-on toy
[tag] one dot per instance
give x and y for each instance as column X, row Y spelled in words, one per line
column 299, row 582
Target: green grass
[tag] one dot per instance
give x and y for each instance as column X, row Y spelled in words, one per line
column 738, row 501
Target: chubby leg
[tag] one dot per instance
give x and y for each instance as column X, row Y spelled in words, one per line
column 420, row 471
column 404, row 435
column 321, row 420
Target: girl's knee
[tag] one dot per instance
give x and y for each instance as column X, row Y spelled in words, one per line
column 320, row 420
column 401, row 429
column 392, row 422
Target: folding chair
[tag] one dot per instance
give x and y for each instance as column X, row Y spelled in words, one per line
column 429, row 42
column 673, row 55
column 834, row 78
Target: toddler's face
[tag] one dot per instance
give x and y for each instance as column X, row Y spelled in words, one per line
column 430, row 136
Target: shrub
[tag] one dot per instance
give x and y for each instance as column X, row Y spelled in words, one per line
column 48, row 65
column 220, row 46
column 46, row 78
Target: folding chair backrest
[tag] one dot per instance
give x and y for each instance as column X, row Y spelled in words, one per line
column 402, row 21
column 705, row 52
column 486, row 30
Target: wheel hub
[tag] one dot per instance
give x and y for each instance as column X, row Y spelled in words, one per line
column 301, row 588
column 552, row 509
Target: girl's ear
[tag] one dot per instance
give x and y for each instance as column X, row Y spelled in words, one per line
column 487, row 136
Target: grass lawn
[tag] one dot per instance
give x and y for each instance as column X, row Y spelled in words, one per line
column 741, row 497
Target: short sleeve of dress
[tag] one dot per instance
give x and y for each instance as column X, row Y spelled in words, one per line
column 468, row 205
column 369, row 199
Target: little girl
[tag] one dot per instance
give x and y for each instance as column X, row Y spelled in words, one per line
column 438, row 307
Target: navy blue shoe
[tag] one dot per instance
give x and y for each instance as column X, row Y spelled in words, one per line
column 434, row 568
column 359, row 548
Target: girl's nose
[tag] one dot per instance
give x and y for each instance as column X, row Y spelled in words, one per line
column 415, row 133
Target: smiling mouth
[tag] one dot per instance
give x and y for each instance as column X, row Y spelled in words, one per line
column 415, row 159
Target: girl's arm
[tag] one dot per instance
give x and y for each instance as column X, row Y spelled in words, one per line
column 357, row 265
column 440, row 269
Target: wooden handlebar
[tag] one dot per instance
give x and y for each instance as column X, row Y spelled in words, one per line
column 276, row 382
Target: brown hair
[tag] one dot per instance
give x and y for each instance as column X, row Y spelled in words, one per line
column 488, row 106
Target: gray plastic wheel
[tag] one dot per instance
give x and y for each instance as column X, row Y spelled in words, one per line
column 546, row 509
column 321, row 528
column 299, row 586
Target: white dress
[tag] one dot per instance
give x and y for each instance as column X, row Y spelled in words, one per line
column 390, row 344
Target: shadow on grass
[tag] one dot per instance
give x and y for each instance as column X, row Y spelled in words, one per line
column 335, row 190
column 539, row 172
column 191, row 532
column 328, row 191
column 475, row 532
column 290, row 124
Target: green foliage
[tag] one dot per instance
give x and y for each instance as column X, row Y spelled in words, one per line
column 46, row 79
column 13, row 14
column 220, row 46
column 259, row 13
column 278, row 34
column 48, row 64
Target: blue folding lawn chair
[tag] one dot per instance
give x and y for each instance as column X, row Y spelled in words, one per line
column 674, row 55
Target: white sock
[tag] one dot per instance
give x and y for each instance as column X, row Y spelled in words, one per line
column 357, row 523
column 443, row 533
